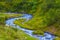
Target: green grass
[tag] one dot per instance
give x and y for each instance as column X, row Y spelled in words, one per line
column 45, row 15
column 57, row 38
column 10, row 33
column 54, row 28
column 9, row 15
column 4, row 17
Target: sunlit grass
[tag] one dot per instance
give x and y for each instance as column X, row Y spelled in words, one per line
column 10, row 33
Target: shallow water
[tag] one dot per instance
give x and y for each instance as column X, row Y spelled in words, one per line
column 10, row 22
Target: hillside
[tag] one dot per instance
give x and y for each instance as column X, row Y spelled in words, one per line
column 46, row 14
column 10, row 33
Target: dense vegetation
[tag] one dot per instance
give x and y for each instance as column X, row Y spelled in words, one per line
column 5, row 16
column 10, row 33
column 46, row 14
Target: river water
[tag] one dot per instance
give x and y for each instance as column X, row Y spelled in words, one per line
column 46, row 36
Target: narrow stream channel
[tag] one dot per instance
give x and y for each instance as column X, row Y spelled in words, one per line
column 10, row 22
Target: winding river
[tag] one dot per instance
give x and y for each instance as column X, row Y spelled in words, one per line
column 10, row 22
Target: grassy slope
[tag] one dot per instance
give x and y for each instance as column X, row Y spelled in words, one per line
column 54, row 29
column 9, row 33
column 33, row 25
column 46, row 17
column 45, row 13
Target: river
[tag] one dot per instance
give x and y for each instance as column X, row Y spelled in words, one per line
column 46, row 36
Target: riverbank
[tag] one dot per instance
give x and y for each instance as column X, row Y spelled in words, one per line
column 46, row 36
column 40, row 31
column 10, row 33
